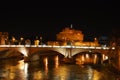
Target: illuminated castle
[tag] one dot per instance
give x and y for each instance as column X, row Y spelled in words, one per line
column 70, row 36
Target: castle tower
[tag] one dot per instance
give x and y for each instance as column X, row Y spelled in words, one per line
column 70, row 34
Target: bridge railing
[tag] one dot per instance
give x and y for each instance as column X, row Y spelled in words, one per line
column 83, row 47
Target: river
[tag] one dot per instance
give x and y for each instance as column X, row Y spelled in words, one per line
column 46, row 69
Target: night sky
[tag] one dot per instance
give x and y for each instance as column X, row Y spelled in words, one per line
column 95, row 21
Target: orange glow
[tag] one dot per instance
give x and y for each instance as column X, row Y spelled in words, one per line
column 83, row 58
column 26, row 69
column 95, row 58
column 46, row 65
column 87, row 56
column 37, row 75
column 56, row 62
column 70, row 34
column 21, row 64
column 23, row 51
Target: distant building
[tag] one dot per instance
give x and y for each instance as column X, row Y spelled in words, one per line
column 3, row 38
column 28, row 42
column 37, row 41
column 70, row 36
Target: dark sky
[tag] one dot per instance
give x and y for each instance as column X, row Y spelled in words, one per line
column 93, row 21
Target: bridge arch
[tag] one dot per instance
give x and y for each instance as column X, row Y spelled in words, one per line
column 77, row 50
column 11, row 53
column 88, row 57
column 37, row 49
column 44, row 53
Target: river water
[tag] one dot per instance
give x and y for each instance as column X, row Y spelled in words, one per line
column 46, row 69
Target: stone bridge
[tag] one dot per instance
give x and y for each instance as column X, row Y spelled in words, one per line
column 67, row 51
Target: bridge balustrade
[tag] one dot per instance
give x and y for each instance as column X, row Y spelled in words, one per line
column 83, row 47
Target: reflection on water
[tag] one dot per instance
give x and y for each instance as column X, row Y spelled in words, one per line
column 46, row 65
column 56, row 61
column 13, row 70
column 50, row 69
column 87, row 58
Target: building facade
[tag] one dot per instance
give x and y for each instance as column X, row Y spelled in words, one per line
column 4, row 38
column 70, row 36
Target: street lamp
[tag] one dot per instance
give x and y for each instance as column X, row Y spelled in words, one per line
column 21, row 38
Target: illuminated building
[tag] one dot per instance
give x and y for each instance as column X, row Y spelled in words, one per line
column 3, row 38
column 36, row 42
column 28, row 42
column 70, row 36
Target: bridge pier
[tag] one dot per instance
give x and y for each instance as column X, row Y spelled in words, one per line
column 68, row 53
column 26, row 59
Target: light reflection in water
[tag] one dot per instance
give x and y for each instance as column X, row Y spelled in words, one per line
column 58, row 71
column 56, row 61
column 95, row 59
column 63, row 73
column 37, row 75
column 90, row 73
column 83, row 58
column 18, row 72
column 96, row 75
column 21, row 64
column 87, row 56
column 26, row 69
column 46, row 65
